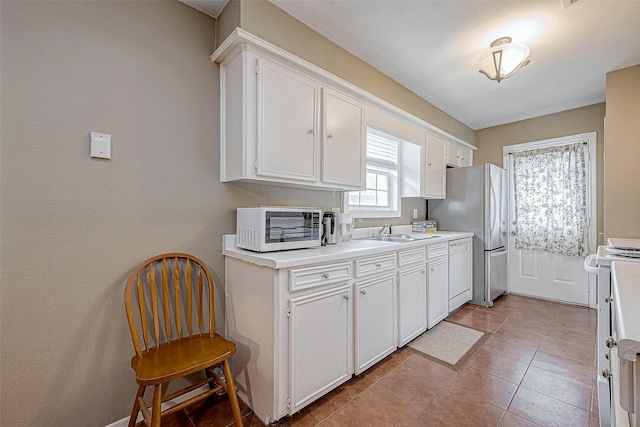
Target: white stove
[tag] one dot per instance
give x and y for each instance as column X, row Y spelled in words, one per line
column 617, row 249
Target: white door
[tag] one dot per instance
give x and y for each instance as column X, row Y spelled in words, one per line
column 343, row 141
column 412, row 303
column 437, row 291
column 436, row 170
column 287, row 124
column 547, row 275
column 320, row 344
column 375, row 321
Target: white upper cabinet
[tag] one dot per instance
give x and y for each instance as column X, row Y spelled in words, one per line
column 436, row 170
column 424, row 168
column 458, row 155
column 276, row 129
column 343, row 140
column 287, row 121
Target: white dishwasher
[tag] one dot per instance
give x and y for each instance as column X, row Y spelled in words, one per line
column 460, row 272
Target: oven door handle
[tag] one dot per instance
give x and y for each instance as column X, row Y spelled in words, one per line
column 589, row 264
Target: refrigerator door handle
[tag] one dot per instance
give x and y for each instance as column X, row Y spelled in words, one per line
column 498, row 252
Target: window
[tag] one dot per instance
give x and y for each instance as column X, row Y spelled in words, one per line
column 381, row 197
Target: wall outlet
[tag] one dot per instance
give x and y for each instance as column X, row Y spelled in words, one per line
column 335, row 210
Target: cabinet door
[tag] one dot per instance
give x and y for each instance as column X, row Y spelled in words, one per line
column 375, row 321
column 466, row 155
column 343, row 141
column 437, row 291
column 320, row 344
column 412, row 304
column 286, row 124
column 435, row 174
column 452, row 154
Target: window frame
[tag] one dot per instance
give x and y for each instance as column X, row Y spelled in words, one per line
column 393, row 208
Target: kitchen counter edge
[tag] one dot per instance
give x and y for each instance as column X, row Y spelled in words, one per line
column 625, row 289
column 339, row 252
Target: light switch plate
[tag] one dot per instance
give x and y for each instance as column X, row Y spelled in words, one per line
column 100, row 145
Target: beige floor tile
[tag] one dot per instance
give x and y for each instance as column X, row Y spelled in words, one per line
column 379, row 406
column 497, row 365
column 562, row 388
column 413, row 385
column 510, row 420
column 564, row 366
column 463, row 409
column 311, row 415
column 342, row 419
column 485, row 386
column 546, row 411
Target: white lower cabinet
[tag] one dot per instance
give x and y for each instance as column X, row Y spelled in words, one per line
column 320, row 344
column 437, row 284
column 303, row 330
column 375, row 320
column 412, row 303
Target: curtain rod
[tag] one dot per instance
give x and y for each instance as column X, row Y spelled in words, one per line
column 510, row 152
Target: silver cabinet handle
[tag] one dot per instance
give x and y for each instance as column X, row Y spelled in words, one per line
column 330, row 136
column 607, row 355
column 611, row 342
column 325, row 275
column 363, row 291
column 310, row 132
column 378, row 265
column 606, row 373
column 513, row 233
column 346, row 297
column 608, row 300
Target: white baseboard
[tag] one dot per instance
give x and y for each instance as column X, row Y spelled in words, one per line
column 166, row 405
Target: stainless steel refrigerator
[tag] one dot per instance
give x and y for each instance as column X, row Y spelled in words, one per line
column 477, row 202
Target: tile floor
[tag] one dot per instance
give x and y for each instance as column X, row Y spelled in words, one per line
column 537, row 369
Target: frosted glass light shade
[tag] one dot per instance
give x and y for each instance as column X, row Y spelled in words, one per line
column 503, row 59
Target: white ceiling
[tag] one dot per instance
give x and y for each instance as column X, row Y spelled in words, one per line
column 432, row 47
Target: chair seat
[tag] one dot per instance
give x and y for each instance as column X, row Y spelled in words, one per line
column 179, row 358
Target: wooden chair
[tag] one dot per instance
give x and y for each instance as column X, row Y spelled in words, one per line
column 169, row 301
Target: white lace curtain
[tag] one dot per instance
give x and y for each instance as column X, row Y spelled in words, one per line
column 550, row 200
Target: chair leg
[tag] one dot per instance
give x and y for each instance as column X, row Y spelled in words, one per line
column 136, row 407
column 231, row 392
column 157, row 403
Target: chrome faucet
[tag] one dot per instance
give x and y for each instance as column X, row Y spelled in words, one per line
column 384, row 227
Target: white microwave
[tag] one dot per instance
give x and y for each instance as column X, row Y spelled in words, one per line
column 265, row 229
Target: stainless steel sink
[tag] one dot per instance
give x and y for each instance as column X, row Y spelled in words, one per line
column 400, row 238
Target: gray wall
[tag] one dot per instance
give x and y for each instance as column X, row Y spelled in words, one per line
column 73, row 227
column 622, row 154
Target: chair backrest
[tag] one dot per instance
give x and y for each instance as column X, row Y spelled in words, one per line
column 169, row 297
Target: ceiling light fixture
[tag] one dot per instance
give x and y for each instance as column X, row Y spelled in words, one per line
column 503, row 59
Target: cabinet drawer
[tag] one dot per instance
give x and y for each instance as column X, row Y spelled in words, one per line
column 375, row 265
column 440, row 250
column 411, row 256
column 304, row 278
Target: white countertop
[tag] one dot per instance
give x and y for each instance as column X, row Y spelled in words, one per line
column 330, row 253
column 625, row 289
